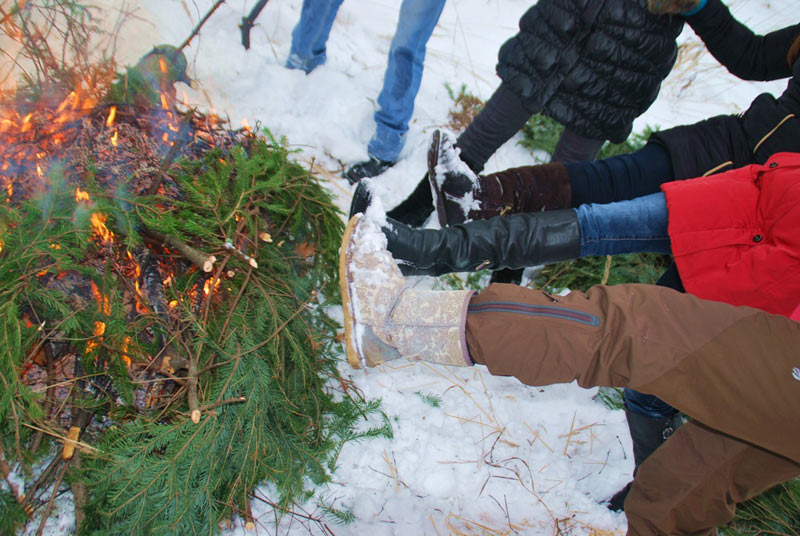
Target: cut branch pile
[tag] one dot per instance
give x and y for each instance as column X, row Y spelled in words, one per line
column 162, row 287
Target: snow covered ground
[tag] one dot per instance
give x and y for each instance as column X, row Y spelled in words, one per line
column 471, row 453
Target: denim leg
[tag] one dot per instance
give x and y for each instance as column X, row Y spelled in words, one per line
column 415, row 25
column 632, row 226
column 647, row 405
column 572, row 147
column 311, row 34
column 620, row 177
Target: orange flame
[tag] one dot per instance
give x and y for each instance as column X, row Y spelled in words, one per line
column 80, row 195
column 112, row 113
column 162, row 63
column 211, row 282
column 114, row 138
column 98, row 220
column 125, row 345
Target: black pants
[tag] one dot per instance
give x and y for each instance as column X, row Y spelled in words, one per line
column 501, row 118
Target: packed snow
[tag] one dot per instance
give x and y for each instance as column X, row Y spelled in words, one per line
column 471, row 453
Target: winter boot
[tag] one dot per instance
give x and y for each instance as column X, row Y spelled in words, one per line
column 647, row 434
column 520, row 240
column 368, row 168
column 461, row 195
column 384, row 317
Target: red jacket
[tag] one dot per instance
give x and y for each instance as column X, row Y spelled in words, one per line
column 736, row 236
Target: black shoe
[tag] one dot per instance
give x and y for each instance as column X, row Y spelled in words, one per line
column 413, row 211
column 617, row 502
column 368, row 168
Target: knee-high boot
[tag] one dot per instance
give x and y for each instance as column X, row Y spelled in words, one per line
column 516, row 241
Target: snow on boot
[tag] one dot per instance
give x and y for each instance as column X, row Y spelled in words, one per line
column 384, row 317
column 453, row 183
column 463, row 196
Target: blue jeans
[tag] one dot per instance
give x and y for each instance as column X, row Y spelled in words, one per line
column 631, row 226
column 403, row 75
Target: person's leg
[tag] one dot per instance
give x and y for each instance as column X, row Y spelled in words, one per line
column 620, row 177
column 572, row 147
column 532, row 239
column 501, row 118
column 693, row 482
column 401, row 82
column 632, row 226
column 311, row 33
column 702, row 357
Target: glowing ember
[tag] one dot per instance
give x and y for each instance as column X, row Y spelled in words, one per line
column 211, row 285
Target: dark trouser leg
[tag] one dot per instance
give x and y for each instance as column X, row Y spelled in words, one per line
column 572, row 147
column 692, row 483
column 501, row 118
column 620, row 177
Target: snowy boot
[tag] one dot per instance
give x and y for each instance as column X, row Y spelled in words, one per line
column 384, row 317
column 461, row 195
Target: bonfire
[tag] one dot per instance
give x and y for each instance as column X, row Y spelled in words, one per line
column 163, row 279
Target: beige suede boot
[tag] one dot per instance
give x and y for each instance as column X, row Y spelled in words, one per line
column 384, row 318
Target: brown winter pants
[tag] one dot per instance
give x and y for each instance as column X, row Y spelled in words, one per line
column 734, row 370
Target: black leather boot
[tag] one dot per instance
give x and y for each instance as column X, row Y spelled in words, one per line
column 647, row 434
column 517, row 241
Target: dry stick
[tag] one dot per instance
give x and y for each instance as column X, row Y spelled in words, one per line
column 49, row 507
column 205, row 262
column 20, row 496
column 46, row 476
column 200, row 24
column 80, row 495
column 49, row 396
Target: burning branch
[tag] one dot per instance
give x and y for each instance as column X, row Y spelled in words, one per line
column 200, row 259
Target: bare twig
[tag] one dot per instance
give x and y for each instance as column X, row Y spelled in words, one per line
column 200, row 24
column 49, row 506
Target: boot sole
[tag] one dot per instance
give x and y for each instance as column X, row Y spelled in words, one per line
column 353, row 356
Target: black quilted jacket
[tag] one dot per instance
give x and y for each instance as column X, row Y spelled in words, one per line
column 769, row 126
column 592, row 65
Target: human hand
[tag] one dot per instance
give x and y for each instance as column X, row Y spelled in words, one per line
column 671, row 7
